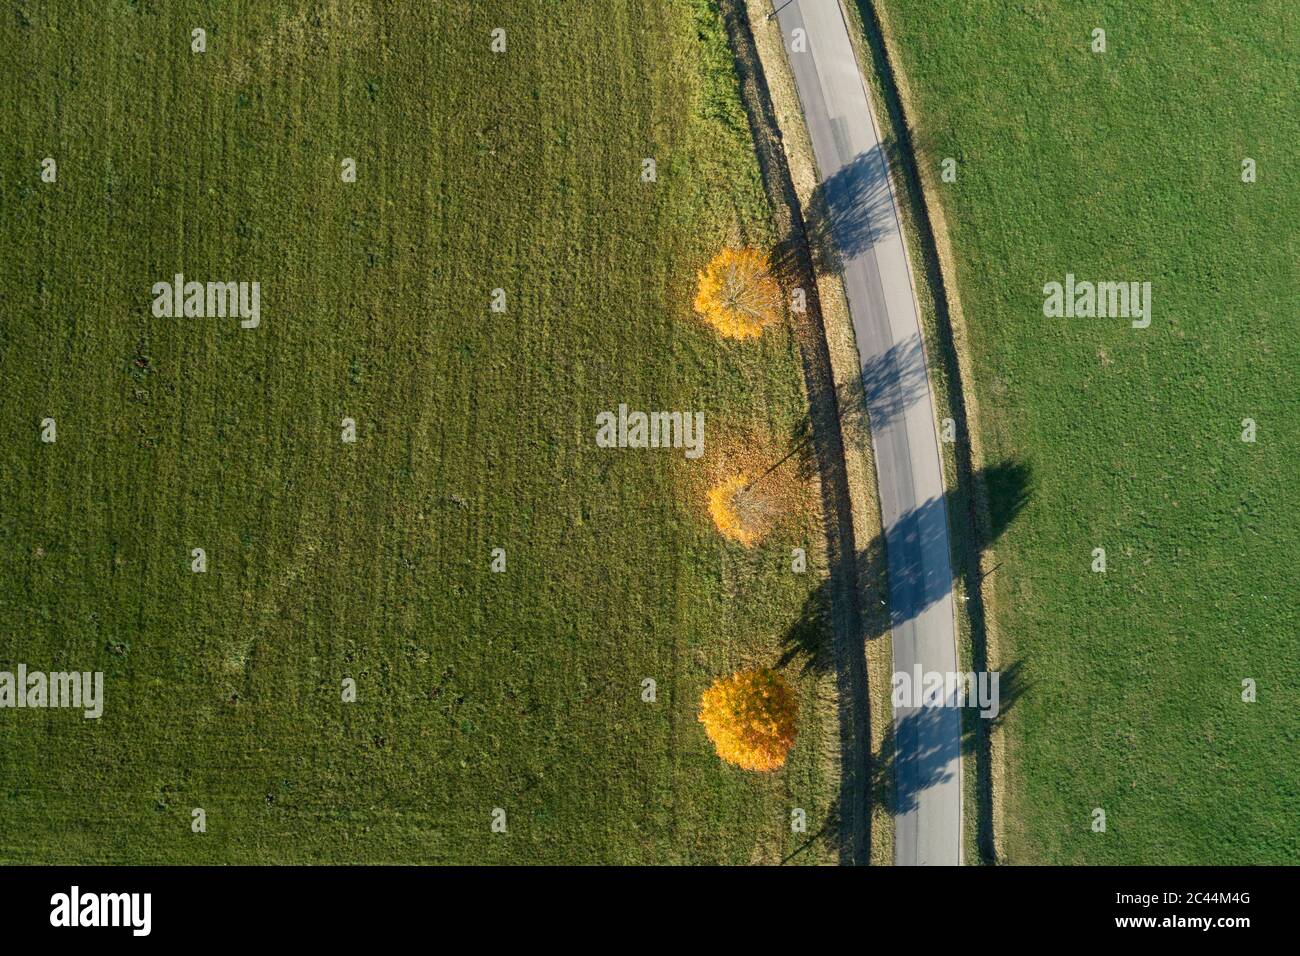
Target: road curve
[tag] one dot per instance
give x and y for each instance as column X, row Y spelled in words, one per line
column 863, row 221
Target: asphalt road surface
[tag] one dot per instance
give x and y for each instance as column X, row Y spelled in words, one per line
column 864, row 225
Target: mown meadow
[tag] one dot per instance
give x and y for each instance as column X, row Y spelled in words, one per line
column 1128, row 165
column 519, row 170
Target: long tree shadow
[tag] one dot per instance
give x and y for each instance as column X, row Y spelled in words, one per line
column 844, row 219
column 974, row 508
column 851, row 208
column 846, row 213
column 822, row 442
column 932, row 737
column 891, row 383
column 911, row 582
column 828, row 836
column 901, row 773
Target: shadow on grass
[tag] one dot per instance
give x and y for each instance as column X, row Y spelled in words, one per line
column 897, row 782
column 983, row 502
column 828, row 835
column 822, row 444
column 832, row 632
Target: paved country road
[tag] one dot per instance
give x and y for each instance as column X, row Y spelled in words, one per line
column 864, row 225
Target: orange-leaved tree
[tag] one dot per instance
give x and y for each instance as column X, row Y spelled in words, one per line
column 750, row 717
column 726, row 508
column 737, row 294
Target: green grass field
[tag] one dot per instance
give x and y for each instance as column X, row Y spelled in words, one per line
column 1127, row 165
column 475, row 430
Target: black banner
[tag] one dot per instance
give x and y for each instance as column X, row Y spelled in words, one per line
column 335, row 905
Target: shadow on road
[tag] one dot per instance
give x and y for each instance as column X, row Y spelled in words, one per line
column 891, row 384
column 832, row 632
column 846, row 212
column 921, row 768
column 895, row 781
column 805, row 644
column 978, row 511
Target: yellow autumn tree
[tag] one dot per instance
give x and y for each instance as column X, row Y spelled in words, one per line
column 750, row 717
column 726, row 511
column 737, row 294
